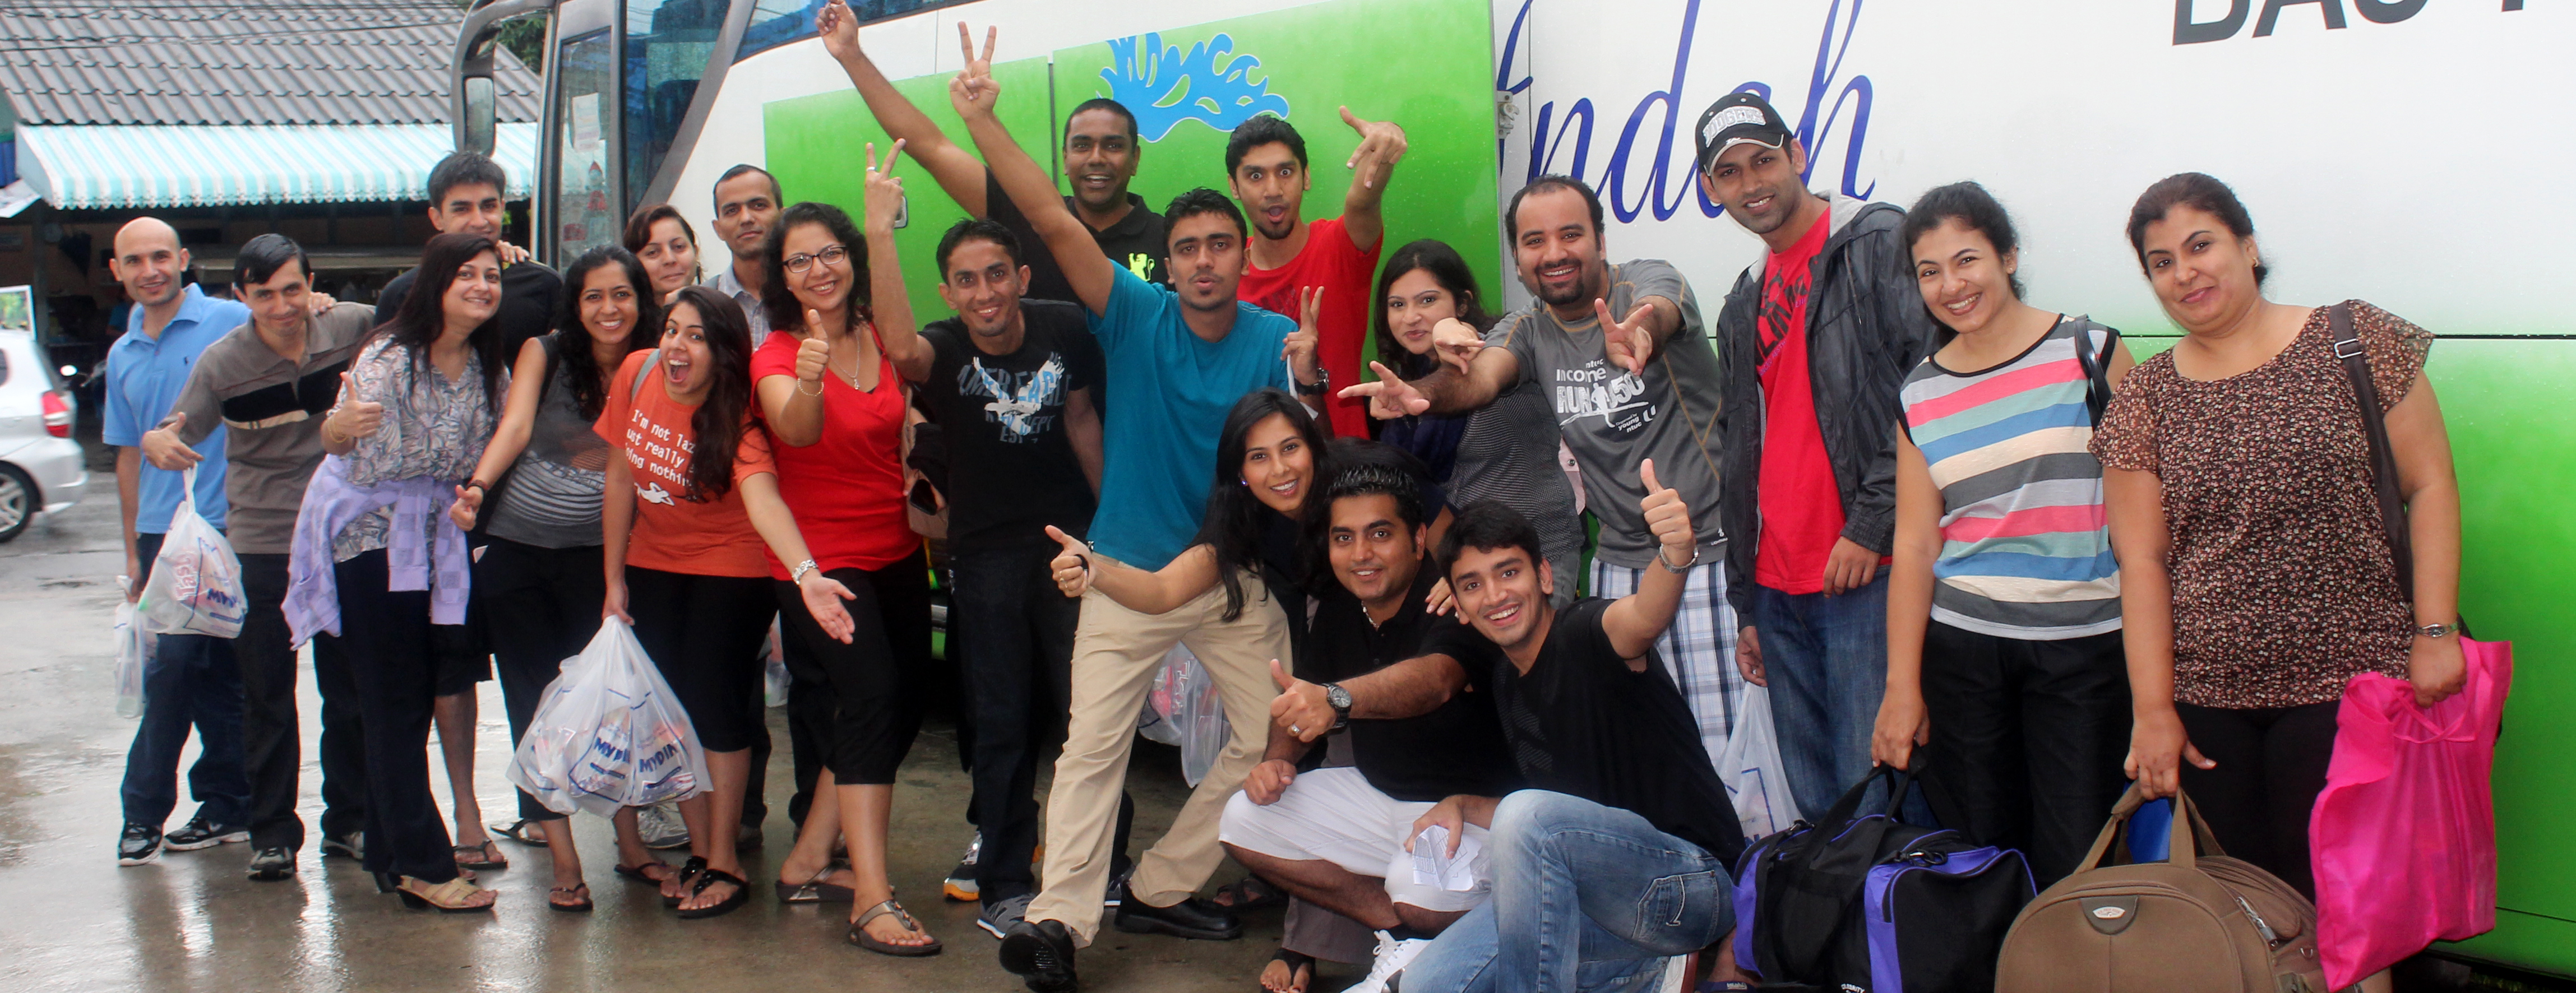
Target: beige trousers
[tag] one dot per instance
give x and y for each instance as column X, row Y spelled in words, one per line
column 1115, row 654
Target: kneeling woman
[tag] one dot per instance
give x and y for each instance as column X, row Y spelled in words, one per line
column 687, row 511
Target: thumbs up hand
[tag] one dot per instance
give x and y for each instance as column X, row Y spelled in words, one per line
column 1300, row 707
column 1071, row 567
column 814, row 354
column 354, row 418
column 1667, row 517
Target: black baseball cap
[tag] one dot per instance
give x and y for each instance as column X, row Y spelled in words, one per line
column 1734, row 119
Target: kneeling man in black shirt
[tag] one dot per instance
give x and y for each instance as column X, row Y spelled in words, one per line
column 1615, row 857
column 1337, row 836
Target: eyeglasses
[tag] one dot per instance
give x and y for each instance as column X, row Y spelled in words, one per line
column 800, row 262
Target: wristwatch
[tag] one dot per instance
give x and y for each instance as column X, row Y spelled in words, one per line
column 1340, row 699
column 2438, row 630
column 1323, row 383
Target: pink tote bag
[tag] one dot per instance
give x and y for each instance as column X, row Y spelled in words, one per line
column 2403, row 836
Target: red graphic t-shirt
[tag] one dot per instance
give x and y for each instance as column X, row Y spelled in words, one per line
column 673, row 531
column 1802, row 509
column 1330, row 260
column 846, row 490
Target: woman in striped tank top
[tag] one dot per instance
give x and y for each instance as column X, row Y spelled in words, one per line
column 2003, row 606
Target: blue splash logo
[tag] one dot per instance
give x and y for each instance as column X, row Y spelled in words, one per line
column 1163, row 88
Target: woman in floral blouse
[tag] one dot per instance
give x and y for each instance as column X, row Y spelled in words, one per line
column 421, row 402
column 2256, row 575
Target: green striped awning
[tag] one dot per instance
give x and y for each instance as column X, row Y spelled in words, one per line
column 126, row 166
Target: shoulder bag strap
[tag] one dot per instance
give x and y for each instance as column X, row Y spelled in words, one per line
column 2383, row 459
column 2097, row 369
column 642, row 374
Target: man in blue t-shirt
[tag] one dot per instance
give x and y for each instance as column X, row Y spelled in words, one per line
column 1178, row 358
column 189, row 679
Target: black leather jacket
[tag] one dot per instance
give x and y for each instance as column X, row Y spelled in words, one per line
column 1866, row 329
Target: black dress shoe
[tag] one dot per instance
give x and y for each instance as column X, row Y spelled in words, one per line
column 1190, row 918
column 1041, row 954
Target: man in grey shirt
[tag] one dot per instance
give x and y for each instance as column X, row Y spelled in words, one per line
column 1621, row 354
column 270, row 381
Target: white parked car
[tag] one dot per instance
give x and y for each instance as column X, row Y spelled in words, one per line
column 41, row 469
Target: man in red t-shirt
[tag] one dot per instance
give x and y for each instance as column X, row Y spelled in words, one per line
column 1265, row 165
column 1808, row 429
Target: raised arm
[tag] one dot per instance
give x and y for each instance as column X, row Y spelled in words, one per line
column 1382, row 145
column 518, row 421
column 1076, row 569
column 974, row 93
column 892, row 307
column 955, row 169
column 1639, row 618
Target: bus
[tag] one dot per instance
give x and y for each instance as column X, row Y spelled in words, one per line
column 2402, row 152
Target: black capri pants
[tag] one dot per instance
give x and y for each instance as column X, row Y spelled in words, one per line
column 880, row 682
column 2271, row 766
column 705, row 635
column 539, row 606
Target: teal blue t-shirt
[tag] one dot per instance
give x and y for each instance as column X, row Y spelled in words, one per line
column 1169, row 391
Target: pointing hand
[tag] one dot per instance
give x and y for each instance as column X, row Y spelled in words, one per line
column 1390, row 396
column 1071, row 568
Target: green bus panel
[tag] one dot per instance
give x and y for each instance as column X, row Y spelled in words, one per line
column 1308, row 62
column 2515, row 451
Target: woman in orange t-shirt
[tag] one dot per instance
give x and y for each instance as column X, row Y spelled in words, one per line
column 688, row 509
column 834, row 402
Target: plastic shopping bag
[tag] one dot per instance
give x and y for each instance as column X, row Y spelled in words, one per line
column 1750, row 767
column 2406, row 810
column 196, row 585
column 1184, row 710
column 608, row 733
column 134, row 650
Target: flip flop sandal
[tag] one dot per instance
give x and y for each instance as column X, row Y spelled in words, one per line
column 688, row 878
column 447, row 898
column 1296, row 962
column 637, row 873
column 484, row 856
column 582, row 891
column 710, row 877
column 859, row 933
column 816, row 890
column 1248, row 893
column 523, row 831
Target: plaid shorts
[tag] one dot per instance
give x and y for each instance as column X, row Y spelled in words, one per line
column 1699, row 648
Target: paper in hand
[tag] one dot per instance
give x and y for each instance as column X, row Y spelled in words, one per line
column 1434, row 866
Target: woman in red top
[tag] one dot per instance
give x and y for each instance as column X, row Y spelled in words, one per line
column 688, row 508
column 835, row 404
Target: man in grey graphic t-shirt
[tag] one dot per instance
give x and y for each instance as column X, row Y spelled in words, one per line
column 1621, row 355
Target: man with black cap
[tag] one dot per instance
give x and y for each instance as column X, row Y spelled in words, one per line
column 1808, row 431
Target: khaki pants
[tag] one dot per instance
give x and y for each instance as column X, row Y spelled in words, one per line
column 1115, row 654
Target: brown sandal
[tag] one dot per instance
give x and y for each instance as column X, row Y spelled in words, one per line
column 581, row 890
column 859, row 933
column 484, row 856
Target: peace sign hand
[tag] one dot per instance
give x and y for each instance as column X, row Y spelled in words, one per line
column 1382, row 145
column 1299, row 350
column 884, row 188
column 1390, row 396
column 974, row 92
column 1629, row 342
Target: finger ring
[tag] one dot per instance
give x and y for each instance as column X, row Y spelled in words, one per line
column 1295, row 729
column 872, row 168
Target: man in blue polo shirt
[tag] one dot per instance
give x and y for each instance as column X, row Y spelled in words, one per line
column 191, row 678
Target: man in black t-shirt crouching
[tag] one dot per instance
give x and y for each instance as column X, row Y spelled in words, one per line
column 1336, row 836
column 1623, row 820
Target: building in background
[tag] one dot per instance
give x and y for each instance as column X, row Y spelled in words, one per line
column 317, row 119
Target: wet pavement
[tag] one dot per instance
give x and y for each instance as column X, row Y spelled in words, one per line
column 72, row 920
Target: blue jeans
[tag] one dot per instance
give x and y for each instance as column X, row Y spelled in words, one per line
column 190, row 681
column 1826, row 660
column 1586, row 897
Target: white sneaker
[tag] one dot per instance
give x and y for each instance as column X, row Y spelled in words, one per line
column 661, row 827
column 1393, row 954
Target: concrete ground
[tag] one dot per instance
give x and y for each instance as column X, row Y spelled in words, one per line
column 72, row 920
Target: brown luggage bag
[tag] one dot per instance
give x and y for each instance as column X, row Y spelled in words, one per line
column 2199, row 922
